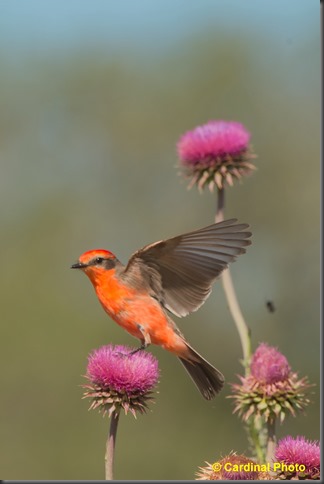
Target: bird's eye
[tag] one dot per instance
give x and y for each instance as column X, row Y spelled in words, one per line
column 99, row 260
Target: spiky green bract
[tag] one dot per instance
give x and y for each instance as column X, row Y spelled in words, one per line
column 272, row 390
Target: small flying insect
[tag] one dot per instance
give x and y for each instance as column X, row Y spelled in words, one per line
column 270, row 306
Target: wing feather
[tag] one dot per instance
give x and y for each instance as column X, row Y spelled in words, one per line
column 180, row 271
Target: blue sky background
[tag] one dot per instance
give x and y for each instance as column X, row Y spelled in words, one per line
column 38, row 25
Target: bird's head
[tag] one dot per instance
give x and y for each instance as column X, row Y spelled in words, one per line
column 95, row 261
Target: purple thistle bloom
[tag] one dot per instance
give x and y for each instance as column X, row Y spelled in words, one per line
column 120, row 379
column 272, row 390
column 215, row 139
column 240, row 475
column 233, row 467
column 110, row 366
column 215, row 152
column 293, row 451
column 268, row 365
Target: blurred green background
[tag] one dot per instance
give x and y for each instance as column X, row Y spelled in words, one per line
column 94, row 96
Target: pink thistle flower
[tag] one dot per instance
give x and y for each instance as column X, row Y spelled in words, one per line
column 272, row 390
column 119, row 379
column 302, row 458
column 268, row 365
column 215, row 153
column 233, row 467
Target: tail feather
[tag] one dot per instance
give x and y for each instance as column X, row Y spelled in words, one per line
column 208, row 379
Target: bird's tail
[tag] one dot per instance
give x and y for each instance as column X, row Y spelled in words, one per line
column 208, row 379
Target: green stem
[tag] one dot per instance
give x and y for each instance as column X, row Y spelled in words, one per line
column 271, row 439
column 230, row 294
column 257, row 440
column 110, row 446
column 254, row 432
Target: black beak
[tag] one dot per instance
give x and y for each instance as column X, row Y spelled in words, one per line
column 78, row 265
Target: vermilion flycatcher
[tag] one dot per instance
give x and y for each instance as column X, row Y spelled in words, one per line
column 170, row 276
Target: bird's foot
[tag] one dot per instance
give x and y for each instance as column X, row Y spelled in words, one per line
column 145, row 341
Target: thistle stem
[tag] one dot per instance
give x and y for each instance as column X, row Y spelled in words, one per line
column 271, row 439
column 257, row 439
column 230, row 294
column 254, row 434
column 110, row 446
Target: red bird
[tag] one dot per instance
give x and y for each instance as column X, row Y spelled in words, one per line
column 170, row 276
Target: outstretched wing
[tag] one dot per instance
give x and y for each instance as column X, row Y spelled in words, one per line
column 180, row 271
